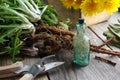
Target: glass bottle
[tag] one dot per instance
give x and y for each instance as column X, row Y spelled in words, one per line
column 81, row 45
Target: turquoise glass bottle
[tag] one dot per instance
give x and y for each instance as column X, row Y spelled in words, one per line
column 81, row 45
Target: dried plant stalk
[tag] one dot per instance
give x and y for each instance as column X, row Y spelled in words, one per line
column 105, row 60
column 55, row 30
column 104, row 51
column 106, row 42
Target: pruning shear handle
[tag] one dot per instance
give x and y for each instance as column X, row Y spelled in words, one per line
column 8, row 71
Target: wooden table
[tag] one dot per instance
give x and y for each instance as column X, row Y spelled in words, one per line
column 96, row 70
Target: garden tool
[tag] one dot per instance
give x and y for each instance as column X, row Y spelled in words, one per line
column 31, row 72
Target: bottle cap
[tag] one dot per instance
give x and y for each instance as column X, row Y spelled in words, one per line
column 81, row 20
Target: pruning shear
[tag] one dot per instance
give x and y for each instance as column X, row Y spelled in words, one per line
column 30, row 71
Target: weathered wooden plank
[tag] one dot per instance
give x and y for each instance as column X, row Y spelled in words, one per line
column 65, row 72
column 97, row 70
column 65, row 13
column 113, row 19
column 100, row 28
column 67, row 57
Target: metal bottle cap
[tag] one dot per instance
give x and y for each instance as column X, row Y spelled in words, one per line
column 81, row 20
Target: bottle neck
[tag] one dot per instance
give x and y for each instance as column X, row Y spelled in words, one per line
column 80, row 29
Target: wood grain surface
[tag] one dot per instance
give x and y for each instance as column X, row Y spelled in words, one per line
column 96, row 70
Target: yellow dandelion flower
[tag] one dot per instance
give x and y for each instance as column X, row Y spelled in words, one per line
column 68, row 3
column 112, row 5
column 91, row 7
column 77, row 4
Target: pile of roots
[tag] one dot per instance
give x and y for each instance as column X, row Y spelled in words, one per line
column 48, row 40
